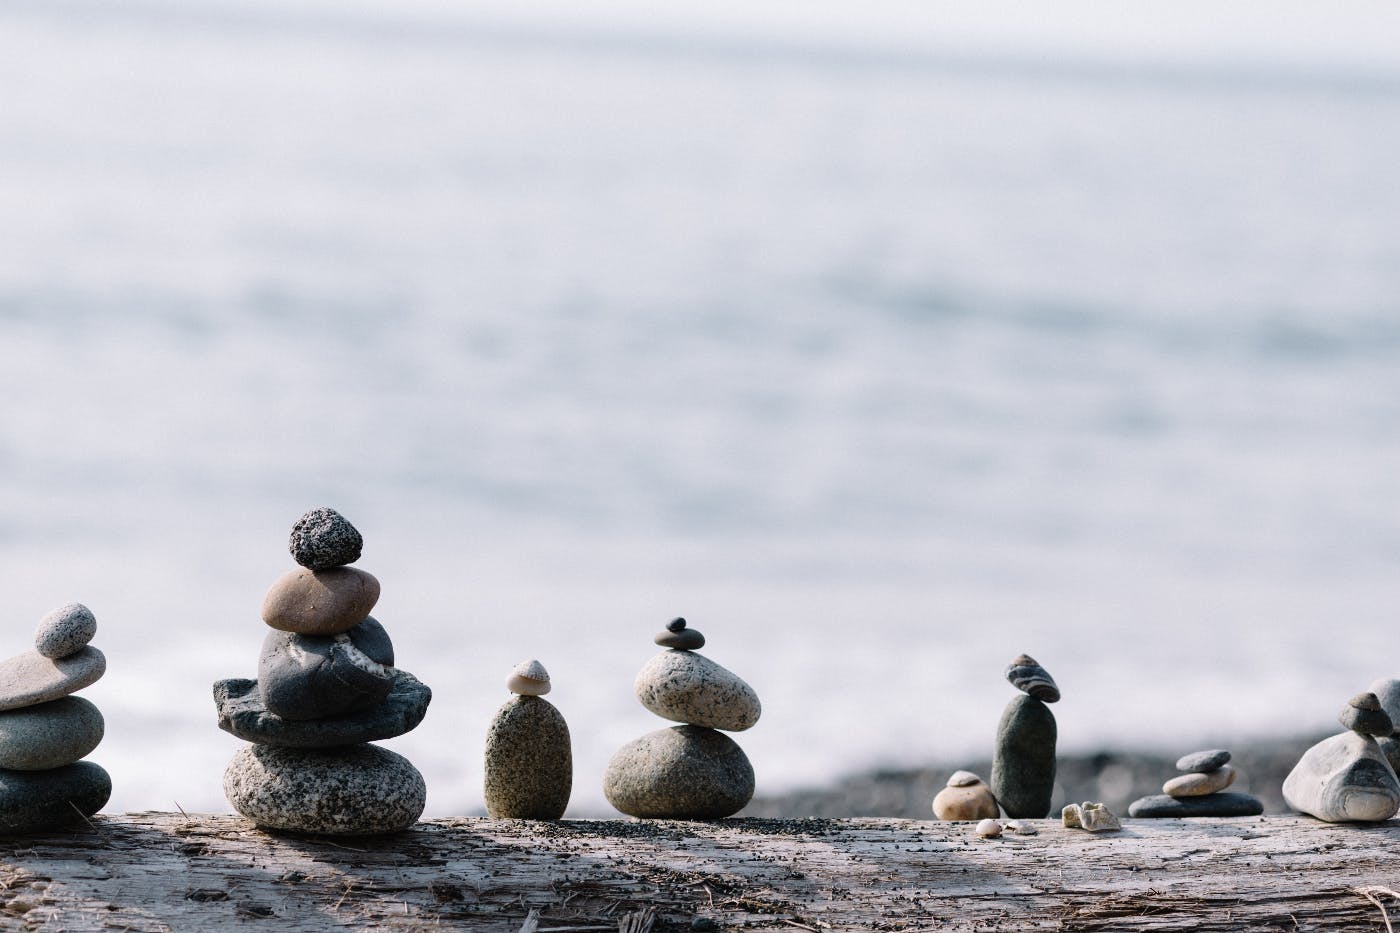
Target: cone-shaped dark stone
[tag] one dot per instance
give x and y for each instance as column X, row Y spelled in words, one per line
column 1023, row 772
column 1159, row 806
column 529, row 761
column 40, row 801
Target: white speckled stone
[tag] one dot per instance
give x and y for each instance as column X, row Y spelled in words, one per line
column 50, row 735
column 687, row 687
column 30, row 678
column 1345, row 778
column 65, row 631
column 352, row 790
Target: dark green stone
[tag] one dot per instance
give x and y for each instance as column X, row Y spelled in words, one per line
column 1023, row 771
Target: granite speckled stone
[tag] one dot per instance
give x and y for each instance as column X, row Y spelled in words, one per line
column 323, row 538
column 41, row 801
column 29, row 678
column 65, row 631
column 1207, row 760
column 682, row 772
column 320, row 602
column 1345, row 778
column 686, row 687
column 350, row 791
column 242, row 713
column 49, row 735
column 1200, row 783
column 315, row 676
column 529, row 761
column 1161, row 806
column 1023, row 771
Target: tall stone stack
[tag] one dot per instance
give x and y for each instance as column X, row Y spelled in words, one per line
column 1023, row 769
column 529, row 758
column 692, row 771
column 326, row 688
column 45, row 731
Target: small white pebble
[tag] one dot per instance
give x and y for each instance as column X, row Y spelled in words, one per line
column 1024, row 829
column 989, row 829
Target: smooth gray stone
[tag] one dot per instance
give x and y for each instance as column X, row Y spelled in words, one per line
column 1363, row 713
column 1387, row 691
column 351, row 791
column 242, row 713
column 29, row 679
column 687, row 639
column 686, row 687
column 316, row 676
column 50, row 735
column 1023, row 771
column 1345, row 778
column 41, row 801
column 1212, row 759
column 65, row 631
column 1026, row 675
column 529, row 761
column 1160, row 806
column 323, row 538
column 681, row 773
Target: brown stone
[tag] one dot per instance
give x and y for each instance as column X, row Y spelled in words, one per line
column 968, row 802
column 320, row 602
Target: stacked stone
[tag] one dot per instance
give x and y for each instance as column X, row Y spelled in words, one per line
column 1347, row 778
column 1198, row 791
column 326, row 688
column 1023, row 768
column 45, row 731
column 690, row 771
column 529, row 758
column 965, row 798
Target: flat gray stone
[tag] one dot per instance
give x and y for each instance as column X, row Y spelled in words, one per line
column 1342, row 779
column 50, row 735
column 323, row 538
column 42, row 801
column 1161, row 806
column 242, row 713
column 1201, row 762
column 29, row 679
column 65, row 631
column 1023, row 771
column 353, row 791
column 315, row 676
column 682, row 773
column 529, row 761
column 687, row 687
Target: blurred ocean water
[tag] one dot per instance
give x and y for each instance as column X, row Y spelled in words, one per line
column 880, row 372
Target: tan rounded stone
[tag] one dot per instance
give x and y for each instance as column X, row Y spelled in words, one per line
column 966, row 802
column 1200, row 783
column 320, row 602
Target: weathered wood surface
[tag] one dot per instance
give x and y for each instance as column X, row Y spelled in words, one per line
column 161, row 871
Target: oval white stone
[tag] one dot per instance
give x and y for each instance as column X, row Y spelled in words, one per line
column 687, row 687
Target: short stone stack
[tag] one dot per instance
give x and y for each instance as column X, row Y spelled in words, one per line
column 692, row 771
column 45, row 731
column 1023, row 767
column 965, row 797
column 529, row 757
column 1347, row 778
column 326, row 688
column 1199, row 791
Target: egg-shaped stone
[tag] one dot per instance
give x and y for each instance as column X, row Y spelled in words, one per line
column 65, row 631
column 529, row 761
column 320, row 602
column 687, row 687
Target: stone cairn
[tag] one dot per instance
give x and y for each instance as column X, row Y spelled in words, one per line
column 1347, row 778
column 45, row 730
column 1198, row 791
column 965, row 798
column 326, row 687
column 529, row 759
column 1023, row 768
column 690, row 771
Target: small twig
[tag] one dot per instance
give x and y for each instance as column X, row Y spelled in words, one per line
column 532, row 922
column 339, row 846
column 182, row 811
column 349, row 886
column 638, row 921
column 1369, row 892
column 800, row 926
column 83, row 815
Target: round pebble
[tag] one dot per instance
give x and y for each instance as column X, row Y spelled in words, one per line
column 1200, row 783
column 65, row 631
column 529, row 761
column 529, row 679
column 690, row 688
column 30, row 678
column 676, row 624
column 682, row 772
column 965, row 802
column 41, row 801
column 322, row 538
column 353, row 790
column 1208, row 760
column 989, row 829
column 50, row 735
column 1021, row 828
column 320, row 602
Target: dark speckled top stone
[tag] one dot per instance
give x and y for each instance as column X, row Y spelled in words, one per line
column 323, row 538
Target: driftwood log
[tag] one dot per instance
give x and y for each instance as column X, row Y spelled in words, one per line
column 162, row 871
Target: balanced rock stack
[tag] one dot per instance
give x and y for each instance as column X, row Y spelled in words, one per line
column 45, row 730
column 965, row 798
column 690, row 771
column 529, row 759
column 1023, row 769
column 1199, row 791
column 1347, row 778
column 326, row 687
